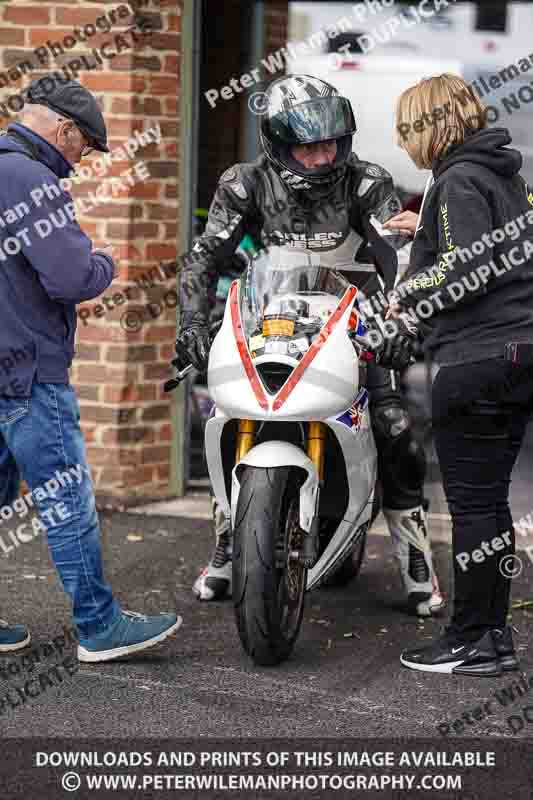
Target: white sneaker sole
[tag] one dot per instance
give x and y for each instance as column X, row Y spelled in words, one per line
column 428, row 608
column 10, row 648
column 92, row 656
column 443, row 668
column 205, row 593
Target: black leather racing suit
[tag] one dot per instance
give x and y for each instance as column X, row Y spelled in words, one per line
column 252, row 199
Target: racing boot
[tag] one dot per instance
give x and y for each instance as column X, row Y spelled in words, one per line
column 412, row 547
column 214, row 581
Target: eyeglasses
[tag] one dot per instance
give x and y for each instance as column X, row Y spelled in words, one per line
column 86, row 150
column 88, row 147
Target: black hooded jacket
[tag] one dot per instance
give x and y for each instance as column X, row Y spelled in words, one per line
column 470, row 277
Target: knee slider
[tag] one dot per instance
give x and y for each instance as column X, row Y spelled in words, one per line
column 405, row 455
column 416, row 462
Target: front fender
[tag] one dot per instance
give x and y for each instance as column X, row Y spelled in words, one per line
column 280, row 454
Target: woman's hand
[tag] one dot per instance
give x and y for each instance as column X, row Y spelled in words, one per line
column 405, row 222
column 394, row 309
column 393, row 312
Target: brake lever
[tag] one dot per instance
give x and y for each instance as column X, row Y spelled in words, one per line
column 366, row 353
column 173, row 383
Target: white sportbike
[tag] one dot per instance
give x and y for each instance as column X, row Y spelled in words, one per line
column 289, row 446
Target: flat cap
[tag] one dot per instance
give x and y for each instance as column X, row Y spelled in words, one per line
column 74, row 101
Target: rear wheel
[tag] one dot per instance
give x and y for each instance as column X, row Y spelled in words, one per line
column 268, row 584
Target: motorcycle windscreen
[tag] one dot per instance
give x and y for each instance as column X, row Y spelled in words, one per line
column 286, row 299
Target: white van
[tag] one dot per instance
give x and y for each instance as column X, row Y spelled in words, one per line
column 373, row 83
column 490, row 32
column 487, row 43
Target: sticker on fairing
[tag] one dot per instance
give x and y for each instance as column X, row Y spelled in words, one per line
column 353, row 417
column 299, row 345
column 256, row 342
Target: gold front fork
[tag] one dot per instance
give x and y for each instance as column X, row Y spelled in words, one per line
column 316, row 443
column 316, row 446
column 245, row 438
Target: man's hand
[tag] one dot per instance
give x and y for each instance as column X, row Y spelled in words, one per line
column 193, row 343
column 405, row 223
column 107, row 250
column 396, row 351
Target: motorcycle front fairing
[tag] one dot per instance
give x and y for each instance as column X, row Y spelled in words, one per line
column 290, row 316
column 288, row 321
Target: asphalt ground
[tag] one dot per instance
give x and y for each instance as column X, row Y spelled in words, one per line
column 343, row 679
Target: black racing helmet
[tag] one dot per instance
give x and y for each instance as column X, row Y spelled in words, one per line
column 301, row 109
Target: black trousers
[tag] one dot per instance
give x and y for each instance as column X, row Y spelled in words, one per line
column 480, row 412
column 401, row 457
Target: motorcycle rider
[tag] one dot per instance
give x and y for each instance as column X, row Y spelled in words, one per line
column 308, row 190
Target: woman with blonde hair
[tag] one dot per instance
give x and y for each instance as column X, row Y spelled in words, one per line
column 469, row 292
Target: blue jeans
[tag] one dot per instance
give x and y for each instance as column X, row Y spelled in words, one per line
column 41, row 439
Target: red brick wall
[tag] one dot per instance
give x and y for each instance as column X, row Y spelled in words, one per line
column 119, row 374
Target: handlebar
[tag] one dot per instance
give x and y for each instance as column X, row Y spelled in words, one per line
column 368, row 350
column 173, row 383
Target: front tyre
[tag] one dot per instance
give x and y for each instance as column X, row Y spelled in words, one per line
column 268, row 585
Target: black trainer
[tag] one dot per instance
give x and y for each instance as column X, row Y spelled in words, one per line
column 504, row 645
column 454, row 657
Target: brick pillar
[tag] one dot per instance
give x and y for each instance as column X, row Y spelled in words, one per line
column 119, row 372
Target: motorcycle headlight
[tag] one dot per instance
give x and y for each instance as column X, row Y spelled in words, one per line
column 279, row 325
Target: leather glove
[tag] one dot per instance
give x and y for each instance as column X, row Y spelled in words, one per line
column 216, row 319
column 396, row 351
column 192, row 344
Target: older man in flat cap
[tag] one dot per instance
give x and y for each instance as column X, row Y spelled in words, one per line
column 44, row 272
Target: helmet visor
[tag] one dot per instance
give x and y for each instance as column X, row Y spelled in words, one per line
column 315, row 121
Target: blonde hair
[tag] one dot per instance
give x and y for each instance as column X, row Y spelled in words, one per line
column 435, row 115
